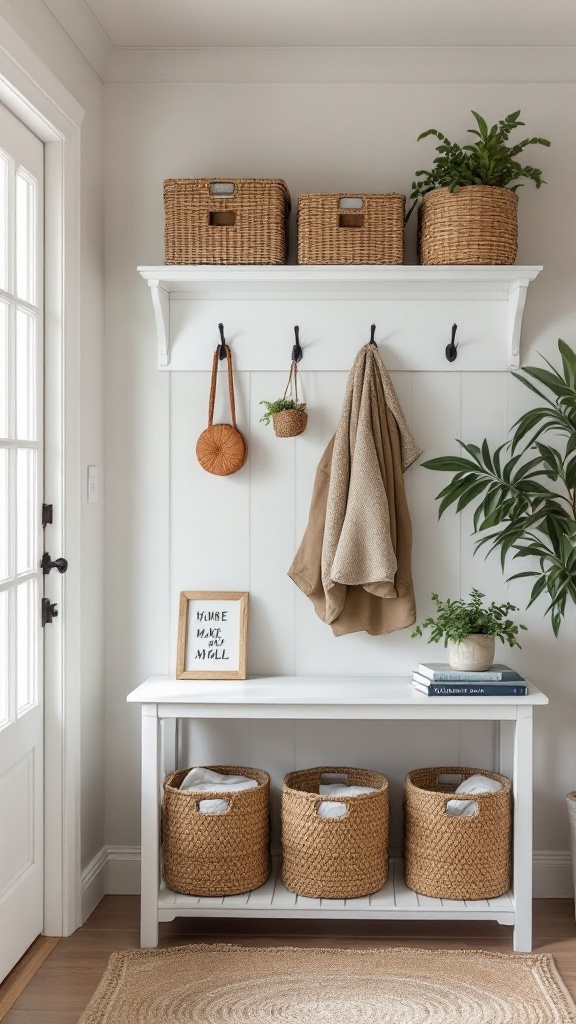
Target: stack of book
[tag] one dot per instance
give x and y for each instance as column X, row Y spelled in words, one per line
column 436, row 679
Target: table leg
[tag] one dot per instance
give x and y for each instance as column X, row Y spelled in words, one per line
column 522, row 862
column 150, row 828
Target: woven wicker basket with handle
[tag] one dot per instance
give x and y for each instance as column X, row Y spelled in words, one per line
column 290, row 422
column 331, row 233
column 453, row 857
column 225, row 220
column 216, row 854
column 335, row 858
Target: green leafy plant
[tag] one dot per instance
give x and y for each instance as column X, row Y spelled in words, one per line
column 525, row 490
column 281, row 405
column 487, row 161
column 456, row 619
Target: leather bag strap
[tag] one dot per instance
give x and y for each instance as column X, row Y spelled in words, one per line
column 293, row 376
column 230, row 386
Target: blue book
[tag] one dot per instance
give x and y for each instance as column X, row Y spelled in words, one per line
column 471, row 689
column 440, row 671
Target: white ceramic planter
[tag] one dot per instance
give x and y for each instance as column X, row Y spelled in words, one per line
column 474, row 653
column 571, row 801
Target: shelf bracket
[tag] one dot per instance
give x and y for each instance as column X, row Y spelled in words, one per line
column 516, row 302
column 161, row 304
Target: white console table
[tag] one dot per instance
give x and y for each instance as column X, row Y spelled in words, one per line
column 164, row 700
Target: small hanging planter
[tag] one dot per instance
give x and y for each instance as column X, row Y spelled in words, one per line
column 288, row 415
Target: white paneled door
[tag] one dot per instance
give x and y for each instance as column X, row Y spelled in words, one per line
column 21, row 488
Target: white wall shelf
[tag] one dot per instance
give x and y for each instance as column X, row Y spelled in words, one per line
column 165, row 700
column 487, row 302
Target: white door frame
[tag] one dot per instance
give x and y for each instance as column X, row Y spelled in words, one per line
column 34, row 94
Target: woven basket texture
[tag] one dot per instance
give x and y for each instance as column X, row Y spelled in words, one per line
column 334, row 858
column 451, row 857
column 216, row 854
column 478, row 224
column 221, row 449
column 194, row 231
column 326, row 233
column 289, row 422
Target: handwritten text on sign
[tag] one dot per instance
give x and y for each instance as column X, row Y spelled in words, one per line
column 213, row 641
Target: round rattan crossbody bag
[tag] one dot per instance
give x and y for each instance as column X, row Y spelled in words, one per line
column 221, row 449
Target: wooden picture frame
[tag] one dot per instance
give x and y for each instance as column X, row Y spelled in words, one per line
column 212, row 631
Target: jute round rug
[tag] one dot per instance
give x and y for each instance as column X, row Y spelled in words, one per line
column 225, row 984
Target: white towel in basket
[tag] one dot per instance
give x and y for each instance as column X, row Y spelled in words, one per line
column 202, row 780
column 331, row 809
column 475, row 784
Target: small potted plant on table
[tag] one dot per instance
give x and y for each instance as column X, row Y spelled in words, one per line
column 469, row 630
column 469, row 198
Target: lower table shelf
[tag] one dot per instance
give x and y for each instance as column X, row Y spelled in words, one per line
column 394, row 902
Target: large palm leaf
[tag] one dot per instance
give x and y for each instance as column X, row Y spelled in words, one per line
column 525, row 490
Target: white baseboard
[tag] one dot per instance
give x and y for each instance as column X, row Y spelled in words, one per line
column 123, row 870
column 93, row 885
column 552, row 873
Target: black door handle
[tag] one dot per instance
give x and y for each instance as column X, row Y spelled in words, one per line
column 47, row 564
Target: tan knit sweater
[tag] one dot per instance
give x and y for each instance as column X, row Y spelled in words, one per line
column 354, row 559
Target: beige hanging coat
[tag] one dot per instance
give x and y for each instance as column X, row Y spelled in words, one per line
column 354, row 562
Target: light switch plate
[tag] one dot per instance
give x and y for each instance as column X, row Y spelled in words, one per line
column 92, row 484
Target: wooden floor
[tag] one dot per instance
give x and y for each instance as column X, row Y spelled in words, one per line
column 61, row 989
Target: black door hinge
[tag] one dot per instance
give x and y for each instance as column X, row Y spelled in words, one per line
column 49, row 611
column 47, row 514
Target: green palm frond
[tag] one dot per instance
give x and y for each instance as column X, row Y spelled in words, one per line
column 524, row 491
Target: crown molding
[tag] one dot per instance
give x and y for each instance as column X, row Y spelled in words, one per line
column 84, row 29
column 310, row 65
column 327, row 65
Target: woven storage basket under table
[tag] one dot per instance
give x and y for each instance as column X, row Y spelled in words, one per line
column 477, row 224
column 331, row 233
column 216, row 854
column 206, row 224
column 452, row 857
column 334, row 858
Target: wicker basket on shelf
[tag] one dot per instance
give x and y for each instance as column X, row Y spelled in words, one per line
column 455, row 857
column 330, row 232
column 230, row 220
column 216, row 854
column 477, row 224
column 334, row 858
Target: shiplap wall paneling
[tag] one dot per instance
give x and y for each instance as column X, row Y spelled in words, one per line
column 272, row 474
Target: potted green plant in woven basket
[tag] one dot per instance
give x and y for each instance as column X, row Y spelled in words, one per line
column 469, row 630
column 288, row 415
column 469, row 198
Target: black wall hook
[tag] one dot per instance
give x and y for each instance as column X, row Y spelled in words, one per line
column 372, row 333
column 222, row 346
column 452, row 348
column 297, row 348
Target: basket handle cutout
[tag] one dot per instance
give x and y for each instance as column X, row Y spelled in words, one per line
column 462, row 798
column 199, row 804
column 336, row 801
column 351, row 220
column 351, row 203
column 222, row 189
column 222, row 218
column 449, row 779
column 335, row 778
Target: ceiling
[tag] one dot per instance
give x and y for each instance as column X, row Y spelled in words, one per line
column 269, row 23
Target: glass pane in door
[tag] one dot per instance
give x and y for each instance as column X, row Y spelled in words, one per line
column 26, row 652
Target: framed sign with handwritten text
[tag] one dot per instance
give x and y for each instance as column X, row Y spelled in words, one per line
column 212, row 628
